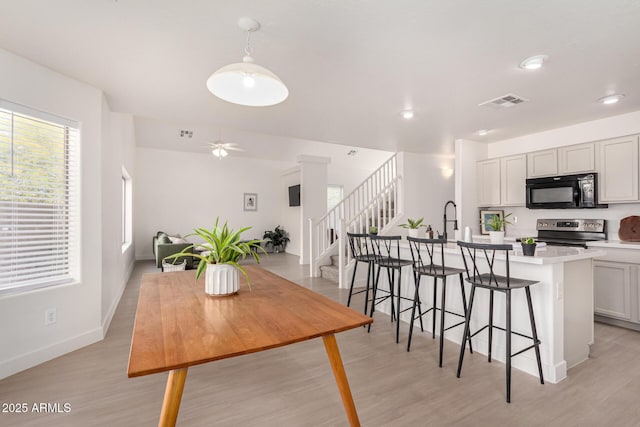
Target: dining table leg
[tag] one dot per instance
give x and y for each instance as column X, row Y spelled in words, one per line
column 331, row 346
column 172, row 397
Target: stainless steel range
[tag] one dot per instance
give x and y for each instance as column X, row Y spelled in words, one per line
column 571, row 232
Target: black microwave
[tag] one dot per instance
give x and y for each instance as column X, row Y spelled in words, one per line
column 563, row 192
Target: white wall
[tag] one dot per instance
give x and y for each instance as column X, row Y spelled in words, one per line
column 611, row 127
column 313, row 197
column 467, row 154
column 25, row 340
column 427, row 184
column 118, row 150
column 176, row 192
column 291, row 216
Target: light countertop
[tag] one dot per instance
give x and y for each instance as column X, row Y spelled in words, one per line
column 544, row 255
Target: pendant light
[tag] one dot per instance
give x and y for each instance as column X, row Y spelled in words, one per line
column 247, row 83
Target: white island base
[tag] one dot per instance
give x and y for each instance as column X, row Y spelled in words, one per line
column 562, row 301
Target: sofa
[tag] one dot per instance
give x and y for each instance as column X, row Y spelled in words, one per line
column 165, row 245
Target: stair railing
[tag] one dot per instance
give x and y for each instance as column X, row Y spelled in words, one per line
column 327, row 230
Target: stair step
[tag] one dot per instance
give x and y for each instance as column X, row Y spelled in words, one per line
column 335, row 260
column 329, row 272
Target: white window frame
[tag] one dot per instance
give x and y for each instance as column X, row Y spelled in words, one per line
column 39, row 218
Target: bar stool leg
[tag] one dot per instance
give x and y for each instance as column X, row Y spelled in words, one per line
column 391, row 281
column 416, row 280
column 353, row 279
column 534, row 332
column 373, row 299
column 370, row 268
column 466, row 330
column 464, row 308
column 508, row 349
column 398, row 310
column 442, row 313
column 435, row 293
column 490, row 324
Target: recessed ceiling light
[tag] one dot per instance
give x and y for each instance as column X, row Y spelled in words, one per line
column 611, row 99
column 483, row 132
column 533, row 63
column 407, row 114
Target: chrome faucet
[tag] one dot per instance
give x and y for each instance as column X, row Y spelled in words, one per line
column 445, row 220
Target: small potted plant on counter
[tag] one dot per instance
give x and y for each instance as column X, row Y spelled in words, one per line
column 413, row 225
column 373, row 230
column 528, row 246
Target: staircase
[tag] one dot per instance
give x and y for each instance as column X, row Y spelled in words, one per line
column 375, row 202
column 331, row 271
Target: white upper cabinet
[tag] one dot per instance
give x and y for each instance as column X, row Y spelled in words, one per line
column 618, row 167
column 542, row 163
column 488, row 182
column 576, row 159
column 513, row 171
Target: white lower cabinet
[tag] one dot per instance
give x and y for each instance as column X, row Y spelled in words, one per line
column 612, row 290
column 616, row 287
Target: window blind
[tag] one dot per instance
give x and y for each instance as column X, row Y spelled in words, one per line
column 39, row 199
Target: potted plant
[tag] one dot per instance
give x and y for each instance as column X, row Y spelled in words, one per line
column 277, row 238
column 219, row 261
column 528, row 246
column 413, row 225
column 496, row 228
column 373, row 230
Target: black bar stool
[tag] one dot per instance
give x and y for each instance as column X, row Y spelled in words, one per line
column 386, row 250
column 423, row 254
column 361, row 252
column 472, row 254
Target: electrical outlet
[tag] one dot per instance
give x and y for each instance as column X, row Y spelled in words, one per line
column 50, row 316
column 515, row 219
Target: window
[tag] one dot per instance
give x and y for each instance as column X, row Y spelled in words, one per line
column 126, row 209
column 39, row 195
column 334, row 195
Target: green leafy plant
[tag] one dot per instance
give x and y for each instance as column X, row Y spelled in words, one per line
column 413, row 224
column 496, row 223
column 373, row 230
column 277, row 237
column 528, row 240
column 223, row 247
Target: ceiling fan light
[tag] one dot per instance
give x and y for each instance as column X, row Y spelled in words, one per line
column 219, row 152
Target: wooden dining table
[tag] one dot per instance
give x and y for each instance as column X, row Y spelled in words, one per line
column 178, row 325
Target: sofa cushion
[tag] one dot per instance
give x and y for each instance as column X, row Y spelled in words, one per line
column 177, row 239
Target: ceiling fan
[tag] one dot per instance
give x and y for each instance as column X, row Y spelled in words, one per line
column 221, row 149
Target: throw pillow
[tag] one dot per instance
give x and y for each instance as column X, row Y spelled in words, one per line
column 163, row 237
column 177, row 239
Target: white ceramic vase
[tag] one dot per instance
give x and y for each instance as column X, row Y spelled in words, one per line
column 414, row 232
column 221, row 279
column 496, row 237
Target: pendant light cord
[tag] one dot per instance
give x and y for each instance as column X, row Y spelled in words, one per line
column 247, row 49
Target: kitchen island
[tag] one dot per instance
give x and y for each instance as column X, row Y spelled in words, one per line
column 563, row 306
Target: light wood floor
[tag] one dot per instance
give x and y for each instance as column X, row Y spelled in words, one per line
column 294, row 386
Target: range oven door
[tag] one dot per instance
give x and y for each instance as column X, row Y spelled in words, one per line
column 553, row 193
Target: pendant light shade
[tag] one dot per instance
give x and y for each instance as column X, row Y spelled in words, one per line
column 247, row 83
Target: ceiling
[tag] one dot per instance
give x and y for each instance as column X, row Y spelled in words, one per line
column 351, row 66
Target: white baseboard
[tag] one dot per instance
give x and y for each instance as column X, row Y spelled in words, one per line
column 44, row 354
column 106, row 322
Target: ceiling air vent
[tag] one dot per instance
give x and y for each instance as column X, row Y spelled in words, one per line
column 506, row 101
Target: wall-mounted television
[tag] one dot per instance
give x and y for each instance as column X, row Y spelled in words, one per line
column 294, row 195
